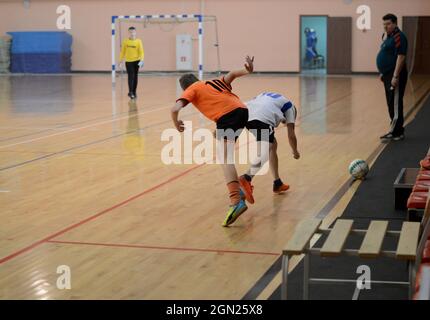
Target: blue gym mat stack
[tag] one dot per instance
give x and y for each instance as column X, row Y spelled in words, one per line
column 41, row 52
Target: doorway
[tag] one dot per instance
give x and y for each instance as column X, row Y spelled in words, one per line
column 313, row 44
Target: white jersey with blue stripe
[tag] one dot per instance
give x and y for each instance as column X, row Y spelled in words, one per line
column 271, row 108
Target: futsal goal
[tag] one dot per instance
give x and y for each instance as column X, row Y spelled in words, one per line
column 166, row 20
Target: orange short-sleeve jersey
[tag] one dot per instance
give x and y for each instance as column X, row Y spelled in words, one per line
column 213, row 98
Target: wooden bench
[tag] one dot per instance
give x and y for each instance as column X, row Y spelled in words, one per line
column 411, row 242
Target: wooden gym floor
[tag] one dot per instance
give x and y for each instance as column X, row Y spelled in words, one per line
column 82, row 184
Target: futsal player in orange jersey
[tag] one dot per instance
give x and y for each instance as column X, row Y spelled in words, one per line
column 215, row 100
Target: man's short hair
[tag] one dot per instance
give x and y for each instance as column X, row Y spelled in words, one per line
column 131, row 28
column 391, row 17
column 187, row 80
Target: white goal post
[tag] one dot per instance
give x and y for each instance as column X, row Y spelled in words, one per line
column 169, row 18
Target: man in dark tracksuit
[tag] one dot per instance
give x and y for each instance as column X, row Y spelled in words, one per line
column 391, row 62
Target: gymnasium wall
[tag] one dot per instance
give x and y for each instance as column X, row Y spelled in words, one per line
column 268, row 29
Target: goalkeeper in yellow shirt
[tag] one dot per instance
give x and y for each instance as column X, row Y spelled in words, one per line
column 133, row 54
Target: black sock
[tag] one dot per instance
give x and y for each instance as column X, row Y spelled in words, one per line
column 247, row 177
column 277, row 183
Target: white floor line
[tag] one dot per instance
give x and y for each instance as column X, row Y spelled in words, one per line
column 79, row 128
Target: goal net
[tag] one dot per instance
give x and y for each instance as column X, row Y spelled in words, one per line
column 158, row 33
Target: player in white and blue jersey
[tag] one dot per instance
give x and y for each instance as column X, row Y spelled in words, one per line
column 266, row 112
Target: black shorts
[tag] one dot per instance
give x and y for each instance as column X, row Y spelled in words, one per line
column 256, row 127
column 235, row 120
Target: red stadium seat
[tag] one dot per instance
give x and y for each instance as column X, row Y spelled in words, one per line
column 421, row 186
column 417, row 200
column 426, row 252
column 423, row 175
column 426, row 255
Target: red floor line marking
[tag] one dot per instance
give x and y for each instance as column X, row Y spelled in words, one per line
column 73, row 226
column 119, row 245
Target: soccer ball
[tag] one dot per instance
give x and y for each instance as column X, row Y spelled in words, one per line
column 358, row 169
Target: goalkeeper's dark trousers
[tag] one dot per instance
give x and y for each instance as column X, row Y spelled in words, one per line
column 132, row 71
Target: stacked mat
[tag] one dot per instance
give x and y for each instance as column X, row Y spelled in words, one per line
column 41, row 52
column 4, row 54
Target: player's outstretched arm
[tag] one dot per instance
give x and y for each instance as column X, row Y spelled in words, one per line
column 292, row 139
column 179, row 124
column 249, row 68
